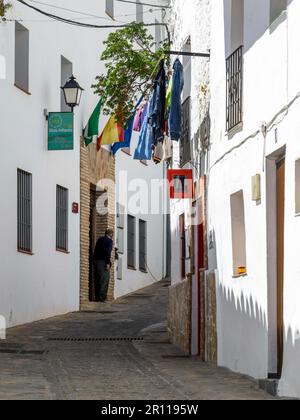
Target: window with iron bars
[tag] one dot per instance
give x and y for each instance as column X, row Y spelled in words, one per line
column 24, row 211
column 143, row 245
column 62, row 205
column 131, row 242
column 234, row 75
column 185, row 140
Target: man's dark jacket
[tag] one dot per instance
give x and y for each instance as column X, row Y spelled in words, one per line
column 103, row 250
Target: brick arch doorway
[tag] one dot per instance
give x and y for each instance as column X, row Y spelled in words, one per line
column 94, row 166
column 98, row 225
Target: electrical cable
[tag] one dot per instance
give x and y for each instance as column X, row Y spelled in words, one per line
column 146, row 12
column 88, row 25
column 87, row 14
column 144, row 4
column 68, row 10
column 150, row 272
column 85, row 18
column 52, row 20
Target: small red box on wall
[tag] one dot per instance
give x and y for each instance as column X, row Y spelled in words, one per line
column 75, row 208
column 181, row 183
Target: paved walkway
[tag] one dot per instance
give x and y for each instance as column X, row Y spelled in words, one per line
column 119, row 352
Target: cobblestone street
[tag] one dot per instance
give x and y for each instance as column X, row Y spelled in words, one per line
column 119, row 352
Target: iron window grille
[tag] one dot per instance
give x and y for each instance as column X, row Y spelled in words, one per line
column 131, row 239
column 62, row 205
column 185, row 140
column 234, row 75
column 24, row 211
column 120, row 228
column 143, row 245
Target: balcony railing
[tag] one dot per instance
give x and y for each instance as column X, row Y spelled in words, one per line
column 234, row 74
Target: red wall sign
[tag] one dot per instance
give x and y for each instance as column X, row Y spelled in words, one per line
column 181, row 183
column 75, row 208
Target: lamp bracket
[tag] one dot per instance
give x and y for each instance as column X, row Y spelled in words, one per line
column 46, row 114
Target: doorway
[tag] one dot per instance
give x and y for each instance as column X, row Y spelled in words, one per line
column 275, row 260
column 280, row 181
column 201, row 267
column 182, row 246
column 199, row 289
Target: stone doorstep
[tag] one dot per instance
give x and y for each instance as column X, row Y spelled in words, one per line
column 270, row 386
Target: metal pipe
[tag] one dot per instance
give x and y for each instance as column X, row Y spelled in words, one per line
column 189, row 54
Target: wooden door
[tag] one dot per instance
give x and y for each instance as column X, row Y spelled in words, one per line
column 280, row 261
column 183, row 245
column 201, row 267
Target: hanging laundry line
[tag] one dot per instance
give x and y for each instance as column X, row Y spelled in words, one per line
column 146, row 92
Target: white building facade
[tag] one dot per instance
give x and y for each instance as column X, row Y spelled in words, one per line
column 253, row 187
column 190, row 29
column 141, row 201
column 252, row 177
column 37, row 56
column 141, row 223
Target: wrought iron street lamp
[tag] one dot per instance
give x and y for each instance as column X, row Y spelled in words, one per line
column 72, row 92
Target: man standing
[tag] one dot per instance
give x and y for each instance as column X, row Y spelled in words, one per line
column 102, row 258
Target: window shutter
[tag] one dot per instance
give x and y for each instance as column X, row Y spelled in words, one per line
column 24, row 211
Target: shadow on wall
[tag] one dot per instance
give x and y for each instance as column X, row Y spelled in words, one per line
column 290, row 383
column 243, row 337
column 271, row 15
column 243, row 341
column 212, row 251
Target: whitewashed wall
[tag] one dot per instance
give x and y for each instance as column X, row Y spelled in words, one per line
column 141, row 187
column 190, row 19
column 246, row 325
column 270, row 83
column 47, row 283
column 135, row 177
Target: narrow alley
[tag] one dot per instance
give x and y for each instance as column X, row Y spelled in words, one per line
column 150, row 201
column 120, row 352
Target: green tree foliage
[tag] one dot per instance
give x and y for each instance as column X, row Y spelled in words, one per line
column 4, row 7
column 131, row 62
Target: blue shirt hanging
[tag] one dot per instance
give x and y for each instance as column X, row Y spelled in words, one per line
column 175, row 116
column 154, row 124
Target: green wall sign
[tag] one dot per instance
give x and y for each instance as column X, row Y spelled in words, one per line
column 60, row 131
